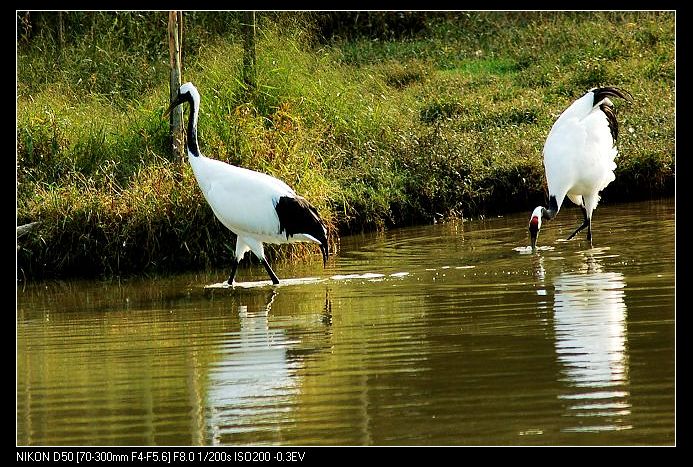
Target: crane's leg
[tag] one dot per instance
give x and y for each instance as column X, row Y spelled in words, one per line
column 241, row 248
column 271, row 273
column 234, row 267
column 258, row 250
column 586, row 223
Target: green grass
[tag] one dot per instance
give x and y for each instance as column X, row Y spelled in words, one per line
column 444, row 116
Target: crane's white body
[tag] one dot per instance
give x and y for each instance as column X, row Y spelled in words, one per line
column 579, row 154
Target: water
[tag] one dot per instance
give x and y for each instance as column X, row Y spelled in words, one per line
column 447, row 334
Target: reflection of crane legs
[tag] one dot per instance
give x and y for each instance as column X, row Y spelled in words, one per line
column 271, row 295
column 592, row 263
column 327, row 309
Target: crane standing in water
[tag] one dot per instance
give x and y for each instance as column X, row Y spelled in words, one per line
column 257, row 207
column 579, row 157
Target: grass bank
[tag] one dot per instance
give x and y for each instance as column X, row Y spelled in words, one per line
column 380, row 120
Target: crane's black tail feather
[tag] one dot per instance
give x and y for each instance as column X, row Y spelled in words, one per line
column 611, row 91
column 298, row 216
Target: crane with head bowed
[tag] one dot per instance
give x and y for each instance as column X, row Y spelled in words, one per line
column 257, row 207
column 579, row 157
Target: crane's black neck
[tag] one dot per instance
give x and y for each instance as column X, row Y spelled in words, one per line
column 192, row 129
column 550, row 212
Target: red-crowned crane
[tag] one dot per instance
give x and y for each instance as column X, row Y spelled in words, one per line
column 579, row 157
column 256, row 207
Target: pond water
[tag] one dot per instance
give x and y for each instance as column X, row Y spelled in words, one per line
column 448, row 334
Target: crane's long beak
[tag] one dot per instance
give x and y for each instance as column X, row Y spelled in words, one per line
column 173, row 105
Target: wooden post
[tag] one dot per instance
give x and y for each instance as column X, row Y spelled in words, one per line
column 175, row 46
column 61, row 31
column 249, row 50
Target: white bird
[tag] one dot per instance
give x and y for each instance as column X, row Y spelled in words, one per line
column 579, row 157
column 256, row 207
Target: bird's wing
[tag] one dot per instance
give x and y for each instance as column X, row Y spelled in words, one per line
column 279, row 185
column 247, row 210
column 562, row 156
column 579, row 155
column 579, row 109
column 243, row 200
column 209, row 170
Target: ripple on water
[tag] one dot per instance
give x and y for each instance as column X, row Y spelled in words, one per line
column 525, row 250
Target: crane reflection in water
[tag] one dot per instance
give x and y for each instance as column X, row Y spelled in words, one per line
column 248, row 384
column 590, row 338
column 253, row 387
